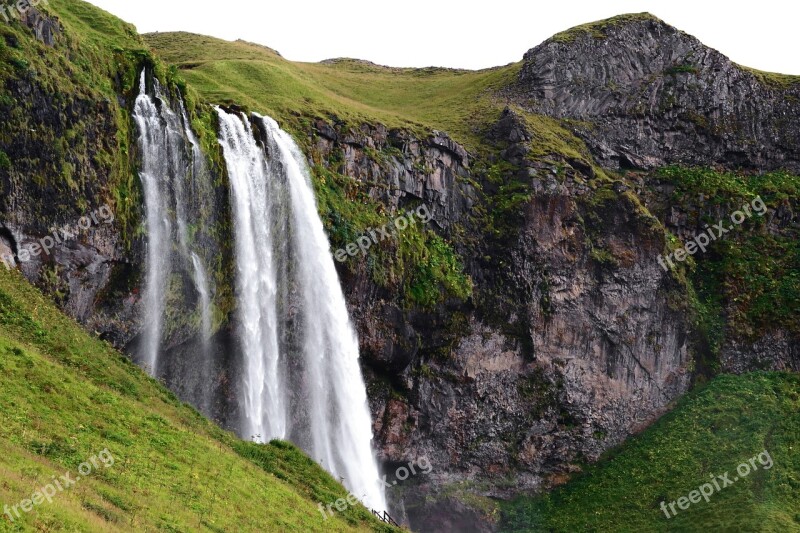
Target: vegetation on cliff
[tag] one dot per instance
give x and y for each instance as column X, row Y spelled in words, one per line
column 63, row 126
column 750, row 278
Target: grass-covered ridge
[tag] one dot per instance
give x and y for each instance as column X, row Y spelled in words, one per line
column 419, row 266
column 455, row 101
column 710, row 432
column 66, row 396
column 597, row 29
column 773, row 79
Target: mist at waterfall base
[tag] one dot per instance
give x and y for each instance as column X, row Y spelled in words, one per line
column 292, row 352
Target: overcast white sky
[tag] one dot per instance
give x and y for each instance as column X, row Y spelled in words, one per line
column 465, row 34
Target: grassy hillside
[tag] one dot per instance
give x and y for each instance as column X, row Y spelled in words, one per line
column 710, row 432
column 456, row 101
column 66, row 396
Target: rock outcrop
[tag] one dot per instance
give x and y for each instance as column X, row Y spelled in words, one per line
column 402, row 167
column 644, row 94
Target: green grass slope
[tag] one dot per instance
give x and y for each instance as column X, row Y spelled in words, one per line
column 456, row 101
column 710, row 432
column 66, row 396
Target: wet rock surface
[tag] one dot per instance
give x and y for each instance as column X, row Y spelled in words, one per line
column 510, row 391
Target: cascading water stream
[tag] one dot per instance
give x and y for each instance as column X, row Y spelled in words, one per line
column 155, row 147
column 265, row 409
column 274, row 205
column 171, row 160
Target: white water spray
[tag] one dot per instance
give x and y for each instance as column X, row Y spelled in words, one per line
column 171, row 161
column 329, row 413
column 265, row 406
column 155, row 146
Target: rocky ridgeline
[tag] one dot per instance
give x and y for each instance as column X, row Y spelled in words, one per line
column 647, row 94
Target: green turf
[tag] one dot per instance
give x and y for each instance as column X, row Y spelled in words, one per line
column 710, row 432
column 66, row 396
column 750, row 273
column 599, row 28
column 456, row 101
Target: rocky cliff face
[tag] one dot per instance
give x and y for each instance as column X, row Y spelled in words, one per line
column 59, row 186
column 592, row 348
column 645, row 94
column 430, row 170
column 576, row 337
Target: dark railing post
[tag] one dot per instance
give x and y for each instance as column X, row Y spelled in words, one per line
column 385, row 517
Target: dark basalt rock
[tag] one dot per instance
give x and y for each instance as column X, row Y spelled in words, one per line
column 651, row 95
column 45, row 28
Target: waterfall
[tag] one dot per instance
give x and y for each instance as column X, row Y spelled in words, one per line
column 300, row 378
column 264, row 399
column 301, row 364
column 171, row 162
column 155, row 145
